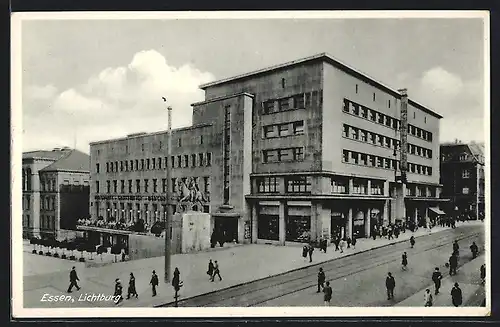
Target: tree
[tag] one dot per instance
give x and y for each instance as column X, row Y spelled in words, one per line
column 116, row 250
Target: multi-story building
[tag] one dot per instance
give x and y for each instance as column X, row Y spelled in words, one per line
column 55, row 191
column 462, row 176
column 309, row 147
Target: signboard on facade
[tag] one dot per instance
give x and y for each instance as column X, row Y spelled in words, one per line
column 157, row 198
column 247, row 230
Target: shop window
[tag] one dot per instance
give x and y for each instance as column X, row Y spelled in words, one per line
column 298, row 224
column 268, row 227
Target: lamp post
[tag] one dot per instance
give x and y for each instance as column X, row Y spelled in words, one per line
column 168, row 217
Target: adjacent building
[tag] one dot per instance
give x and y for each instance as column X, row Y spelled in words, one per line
column 462, row 176
column 55, row 191
column 306, row 149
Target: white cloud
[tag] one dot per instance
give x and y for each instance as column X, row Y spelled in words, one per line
column 440, row 81
column 114, row 102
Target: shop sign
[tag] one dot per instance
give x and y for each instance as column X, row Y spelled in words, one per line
column 151, row 198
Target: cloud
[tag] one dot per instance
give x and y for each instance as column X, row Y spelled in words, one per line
column 112, row 103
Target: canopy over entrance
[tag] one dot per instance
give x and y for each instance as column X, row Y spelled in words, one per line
column 437, row 211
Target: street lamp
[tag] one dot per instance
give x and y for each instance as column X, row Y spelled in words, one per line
column 168, row 217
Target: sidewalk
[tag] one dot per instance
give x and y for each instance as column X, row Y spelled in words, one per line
column 469, row 281
column 239, row 265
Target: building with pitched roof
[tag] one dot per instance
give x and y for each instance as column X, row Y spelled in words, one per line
column 462, row 176
column 55, row 191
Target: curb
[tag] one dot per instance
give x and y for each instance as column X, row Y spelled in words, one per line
column 286, row 272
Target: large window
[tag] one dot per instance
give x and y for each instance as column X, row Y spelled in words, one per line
column 359, row 187
column 465, row 173
column 267, row 185
column 340, row 185
column 298, row 184
column 298, row 224
column 268, row 107
column 283, row 155
column 377, row 188
column 268, row 223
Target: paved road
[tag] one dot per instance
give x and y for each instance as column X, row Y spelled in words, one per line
column 358, row 280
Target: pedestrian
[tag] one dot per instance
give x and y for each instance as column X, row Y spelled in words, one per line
column 483, row 274
column 123, row 254
column 131, row 287
column 412, row 241
column 342, row 245
column 210, row 270
column 474, row 249
column 327, row 290
column 404, row 261
column 456, row 248
column 216, row 271
column 118, row 291
column 177, row 277
column 349, row 241
column 390, row 284
column 456, row 295
column 396, row 231
column 321, row 279
column 305, row 249
column 154, row 282
column 73, row 278
column 453, row 261
column 389, row 233
column 311, row 250
column 436, row 278
column 354, row 242
column 337, row 242
column 374, row 234
column 428, row 298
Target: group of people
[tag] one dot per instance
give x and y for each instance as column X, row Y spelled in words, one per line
column 390, row 231
column 343, row 243
column 326, row 288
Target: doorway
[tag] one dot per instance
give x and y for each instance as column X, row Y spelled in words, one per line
column 226, row 228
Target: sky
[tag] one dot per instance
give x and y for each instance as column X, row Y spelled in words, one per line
column 90, row 80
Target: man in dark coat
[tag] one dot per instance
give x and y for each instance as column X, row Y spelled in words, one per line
column 216, row 271
column 210, row 270
column 456, row 247
column 404, row 261
column 349, row 241
column 154, row 282
column 474, row 249
column 453, row 264
column 390, row 284
column 311, row 250
column 118, row 291
column 336, row 241
column 412, row 241
column 73, row 278
column 456, row 295
column 328, row 294
column 483, row 273
column 321, row 279
column 131, row 287
column 354, row 242
column 436, row 278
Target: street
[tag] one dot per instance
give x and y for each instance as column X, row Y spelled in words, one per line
column 357, row 280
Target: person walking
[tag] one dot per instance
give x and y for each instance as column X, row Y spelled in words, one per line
column 154, row 282
column 396, row 231
column 456, row 295
column 354, row 242
column 412, row 241
column 436, row 278
column 404, row 261
column 428, row 298
column 305, row 249
column 177, row 277
column 482, row 271
column 321, row 279
column 73, row 278
column 349, row 241
column 131, row 287
column 210, row 270
column 216, row 271
column 118, row 291
column 453, row 261
column 456, row 248
column 474, row 249
column 311, row 250
column 389, row 233
column 337, row 242
column 342, row 245
column 390, row 284
column 327, row 290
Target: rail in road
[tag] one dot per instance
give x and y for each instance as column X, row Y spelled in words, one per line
column 264, row 290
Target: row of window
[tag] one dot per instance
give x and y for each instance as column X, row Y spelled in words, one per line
column 341, row 186
column 143, row 186
column 47, row 222
column 26, row 179
column 362, row 135
column 293, row 184
column 286, row 129
column 420, row 191
column 358, row 110
column 297, row 101
column 179, row 161
column 370, row 160
column 283, row 155
column 48, row 203
column 26, row 203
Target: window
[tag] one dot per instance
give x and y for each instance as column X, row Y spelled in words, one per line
column 283, row 82
column 146, row 186
column 364, row 112
column 354, row 133
column 364, row 159
column 465, row 190
column 358, row 187
column 371, row 160
column 283, row 104
column 97, row 186
column 164, row 185
column 372, row 137
column 345, row 156
column 193, row 160
column 142, row 164
column 186, row 161
column 130, row 186
column 414, row 115
column 298, row 127
column 209, row 159
column 380, row 118
column 121, row 165
column 153, row 163
column 373, row 115
column 388, row 142
column 380, row 162
column 270, row 156
column 298, row 184
column 200, row 159
column 122, row 186
column 345, row 108
column 363, row 136
column 298, row 101
column 269, row 106
column 389, row 103
column 373, row 96
column 354, row 109
column 465, row 173
column 298, row 154
column 346, row 131
column 376, row 188
column 387, row 163
column 107, row 167
column 97, row 168
column 284, row 155
column 108, row 186
column 267, row 185
column 339, row 185
column 356, row 88
column 179, row 142
column 355, row 157
column 138, row 186
column 206, row 182
column 115, row 186
column 155, row 185
column 380, row 140
column 269, row 131
column 463, row 157
column 147, row 164
column 159, row 163
column 173, row 183
column 425, row 120
column 283, row 130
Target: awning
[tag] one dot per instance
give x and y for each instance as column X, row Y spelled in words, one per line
column 437, row 211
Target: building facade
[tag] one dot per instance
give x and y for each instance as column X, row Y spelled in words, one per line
column 55, row 191
column 307, row 149
column 462, row 176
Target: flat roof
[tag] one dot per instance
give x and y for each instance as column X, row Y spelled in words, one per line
column 138, row 135
column 331, row 60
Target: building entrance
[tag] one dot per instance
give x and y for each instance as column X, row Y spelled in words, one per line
column 226, row 228
column 337, row 225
